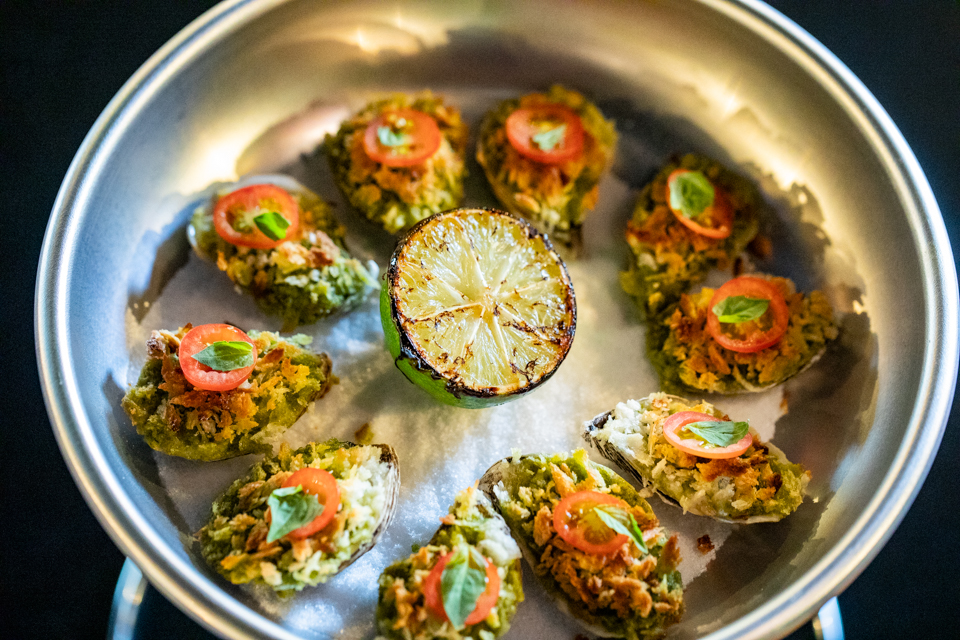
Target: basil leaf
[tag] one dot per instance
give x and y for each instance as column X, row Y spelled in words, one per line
column 719, row 434
column 614, row 518
column 691, row 193
column 549, row 139
column 737, row 309
column 272, row 224
column 462, row 582
column 388, row 137
column 226, row 355
column 290, row 509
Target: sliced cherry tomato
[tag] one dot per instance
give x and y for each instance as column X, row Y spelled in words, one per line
column 417, row 134
column 576, row 522
column 234, row 213
column 753, row 335
column 434, row 600
column 693, row 446
column 202, row 376
column 717, row 219
column 525, row 124
column 323, row 485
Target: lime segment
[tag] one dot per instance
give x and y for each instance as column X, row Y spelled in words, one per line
column 481, row 303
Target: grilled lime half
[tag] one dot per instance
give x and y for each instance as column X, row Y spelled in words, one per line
column 477, row 308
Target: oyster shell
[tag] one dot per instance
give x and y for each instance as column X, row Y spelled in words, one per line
column 306, row 278
column 688, row 360
column 234, row 540
column 503, row 482
column 175, row 418
column 622, row 436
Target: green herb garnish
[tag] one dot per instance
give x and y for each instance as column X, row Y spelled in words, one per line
column 718, row 434
column 226, row 355
column 272, row 224
column 622, row 522
column 691, row 193
column 462, row 582
column 390, row 137
column 549, row 139
column 737, row 309
column 290, row 509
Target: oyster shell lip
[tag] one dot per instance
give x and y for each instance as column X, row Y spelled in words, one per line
column 611, row 452
column 392, row 494
column 490, row 484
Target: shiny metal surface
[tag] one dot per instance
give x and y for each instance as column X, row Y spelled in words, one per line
column 828, row 623
column 127, row 598
column 734, row 79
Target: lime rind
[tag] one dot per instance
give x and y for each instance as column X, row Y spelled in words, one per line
column 425, row 378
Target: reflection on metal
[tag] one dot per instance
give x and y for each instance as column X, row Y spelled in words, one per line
column 126, row 602
column 828, row 625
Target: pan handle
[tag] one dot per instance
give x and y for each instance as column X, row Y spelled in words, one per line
column 827, row 624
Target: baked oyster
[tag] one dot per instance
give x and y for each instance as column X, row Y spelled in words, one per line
column 279, row 242
column 749, row 484
column 181, row 415
column 264, row 530
column 400, row 159
column 594, row 544
column 693, row 216
column 752, row 333
column 472, row 554
column 544, row 155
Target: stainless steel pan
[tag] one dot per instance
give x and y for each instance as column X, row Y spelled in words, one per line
column 734, row 79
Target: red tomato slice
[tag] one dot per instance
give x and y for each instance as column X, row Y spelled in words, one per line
column 421, row 130
column 525, row 123
column 240, row 207
column 719, row 215
column 753, row 335
column 693, row 446
column 576, row 523
column 323, row 485
column 434, row 600
column 200, row 375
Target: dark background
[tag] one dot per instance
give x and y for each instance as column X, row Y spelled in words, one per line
column 61, row 62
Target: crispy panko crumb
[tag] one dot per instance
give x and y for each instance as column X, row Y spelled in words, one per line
column 704, row 544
